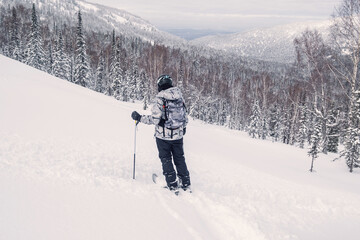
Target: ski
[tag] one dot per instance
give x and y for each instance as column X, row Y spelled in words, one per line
column 187, row 189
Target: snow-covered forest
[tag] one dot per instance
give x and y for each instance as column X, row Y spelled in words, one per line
column 312, row 103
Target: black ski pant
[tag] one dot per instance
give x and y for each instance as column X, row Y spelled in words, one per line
column 173, row 150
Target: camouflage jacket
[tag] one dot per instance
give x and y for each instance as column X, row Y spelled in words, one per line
column 157, row 113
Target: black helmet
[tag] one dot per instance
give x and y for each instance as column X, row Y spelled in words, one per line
column 164, row 82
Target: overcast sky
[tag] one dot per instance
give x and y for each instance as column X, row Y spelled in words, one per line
column 226, row 15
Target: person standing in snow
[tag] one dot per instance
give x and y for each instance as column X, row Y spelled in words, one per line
column 169, row 116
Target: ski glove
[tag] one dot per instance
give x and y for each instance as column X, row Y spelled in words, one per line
column 136, row 116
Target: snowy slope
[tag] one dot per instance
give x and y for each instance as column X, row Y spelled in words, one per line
column 66, row 157
column 269, row 44
column 97, row 17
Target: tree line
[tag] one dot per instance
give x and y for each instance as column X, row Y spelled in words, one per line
column 312, row 103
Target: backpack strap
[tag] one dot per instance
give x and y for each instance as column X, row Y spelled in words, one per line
column 185, row 106
column 163, row 120
column 165, row 107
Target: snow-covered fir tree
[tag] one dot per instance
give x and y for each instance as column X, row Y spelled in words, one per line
column 145, row 90
column 284, row 126
column 136, row 81
column 333, row 131
column 15, row 42
column 100, row 74
column 112, row 65
column 264, row 127
column 315, row 143
column 115, row 71
column 35, row 55
column 302, row 135
column 274, row 122
column 222, row 114
column 130, row 83
column 236, row 109
column 61, row 60
column 255, row 121
column 142, row 86
column 116, row 75
column 50, row 60
column 81, row 68
column 352, row 139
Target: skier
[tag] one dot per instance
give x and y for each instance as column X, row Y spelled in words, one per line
column 169, row 116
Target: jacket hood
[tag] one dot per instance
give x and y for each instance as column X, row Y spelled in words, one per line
column 170, row 93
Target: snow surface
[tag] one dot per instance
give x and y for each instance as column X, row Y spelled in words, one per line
column 66, row 156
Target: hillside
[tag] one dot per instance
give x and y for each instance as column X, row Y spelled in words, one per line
column 98, row 18
column 270, row 44
column 66, row 157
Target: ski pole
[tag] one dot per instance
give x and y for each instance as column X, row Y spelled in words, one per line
column 136, row 123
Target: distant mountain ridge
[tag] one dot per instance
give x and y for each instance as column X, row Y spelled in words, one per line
column 271, row 44
column 191, row 34
column 97, row 17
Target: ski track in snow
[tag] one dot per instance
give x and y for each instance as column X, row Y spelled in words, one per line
column 66, row 155
column 181, row 220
